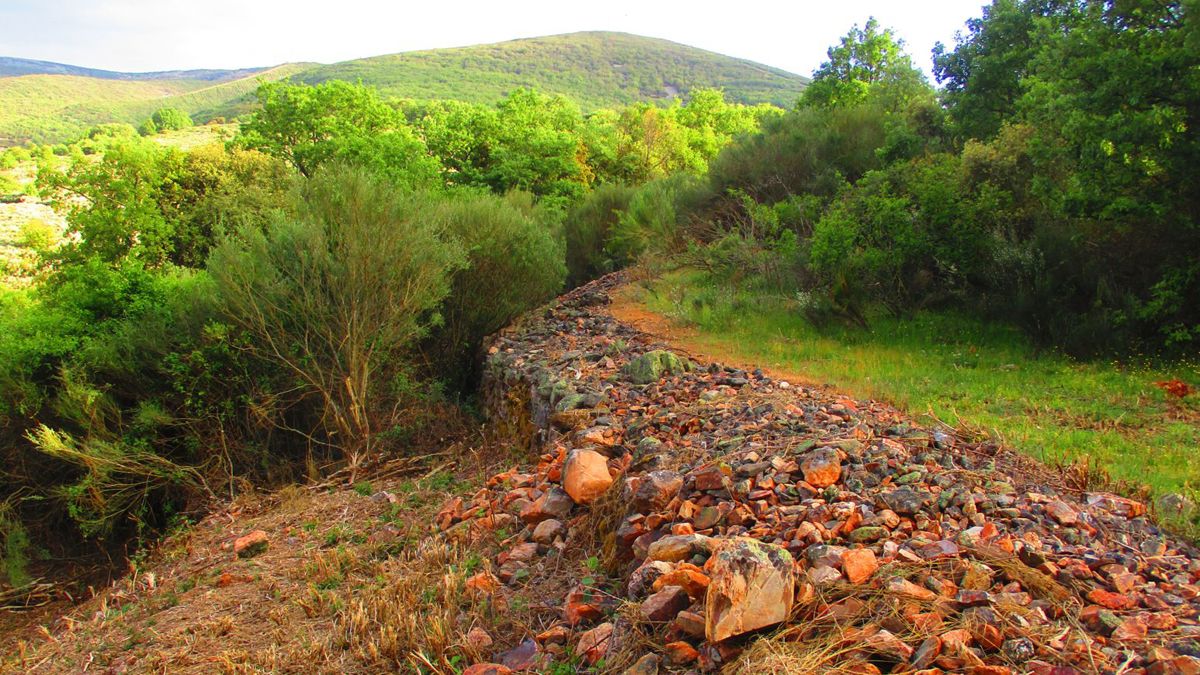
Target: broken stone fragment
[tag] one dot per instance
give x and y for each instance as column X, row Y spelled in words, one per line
column 250, row 545
column 553, row 504
column 1062, row 513
column 595, row 643
column 585, row 476
column 822, row 467
column 859, row 564
column 665, row 604
column 677, row 547
column 548, row 530
column 655, row 490
column 752, row 587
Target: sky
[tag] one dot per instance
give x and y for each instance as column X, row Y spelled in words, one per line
column 144, row 35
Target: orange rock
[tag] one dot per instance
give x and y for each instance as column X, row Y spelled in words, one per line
column 250, row 545
column 1111, row 600
column 595, row 643
column 680, row 653
column 686, row 575
column 487, row 669
column 822, row 467
column 859, row 564
column 483, row 584
column 580, row 606
column 585, row 476
column 752, row 586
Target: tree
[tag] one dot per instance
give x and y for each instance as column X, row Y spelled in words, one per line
column 337, row 291
column 170, row 119
column 308, row 126
column 866, row 58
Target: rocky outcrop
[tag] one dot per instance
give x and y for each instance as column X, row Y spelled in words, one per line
column 750, row 508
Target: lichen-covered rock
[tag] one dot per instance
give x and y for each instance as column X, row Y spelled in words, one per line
column 651, row 366
column 752, row 586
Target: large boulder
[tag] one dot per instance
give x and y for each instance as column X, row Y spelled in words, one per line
column 651, row 366
column 585, row 475
column 753, row 586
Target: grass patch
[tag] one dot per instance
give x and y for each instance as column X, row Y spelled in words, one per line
column 961, row 371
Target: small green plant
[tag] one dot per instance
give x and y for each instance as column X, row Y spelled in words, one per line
column 364, row 488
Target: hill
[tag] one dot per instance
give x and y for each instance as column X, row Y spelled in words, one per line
column 15, row 67
column 48, row 102
column 597, row 69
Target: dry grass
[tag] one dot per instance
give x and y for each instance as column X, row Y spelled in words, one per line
column 192, row 606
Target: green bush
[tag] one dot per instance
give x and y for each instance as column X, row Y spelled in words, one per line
column 37, row 234
column 515, row 262
column 652, row 223
column 587, row 227
column 170, row 119
column 336, row 292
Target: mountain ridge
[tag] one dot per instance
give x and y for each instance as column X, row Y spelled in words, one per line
column 596, row 69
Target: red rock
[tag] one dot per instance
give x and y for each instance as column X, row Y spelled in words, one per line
column 689, row 623
column 483, row 584
column 675, row 548
column 908, row 589
column 548, row 530
column 595, row 643
column 478, row 639
column 886, row 644
column 585, row 476
column 655, row 490
column 487, row 669
column 665, row 604
column 680, row 653
column 250, row 545
column 1133, row 629
column 1179, row 665
column 989, row 670
column 555, row 635
column 822, row 467
column 581, row 605
column 926, row 653
column 1111, row 600
column 1061, row 512
column 859, row 564
column 709, row 478
column 752, row 586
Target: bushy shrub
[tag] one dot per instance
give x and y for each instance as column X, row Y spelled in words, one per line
column 588, row 225
column 170, row 119
column 337, row 291
column 514, row 263
column 652, row 223
column 37, row 234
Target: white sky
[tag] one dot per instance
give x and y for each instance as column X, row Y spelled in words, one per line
column 141, row 35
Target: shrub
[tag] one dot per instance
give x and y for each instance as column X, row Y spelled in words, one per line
column 170, row 119
column 515, row 262
column 587, row 227
column 37, row 234
column 651, row 223
column 337, row 292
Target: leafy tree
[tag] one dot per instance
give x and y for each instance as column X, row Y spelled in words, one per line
column 170, row 119
column 866, row 58
column 308, row 126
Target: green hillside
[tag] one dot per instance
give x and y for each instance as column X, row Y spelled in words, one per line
column 52, row 108
column 595, row 69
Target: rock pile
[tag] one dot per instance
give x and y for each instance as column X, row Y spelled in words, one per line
column 736, row 508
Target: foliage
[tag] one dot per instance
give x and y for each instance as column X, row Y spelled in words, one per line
column 336, row 122
column 334, row 293
column 865, row 59
column 170, row 119
column 505, row 239
column 588, row 226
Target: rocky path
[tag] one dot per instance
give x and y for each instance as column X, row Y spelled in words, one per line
column 691, row 517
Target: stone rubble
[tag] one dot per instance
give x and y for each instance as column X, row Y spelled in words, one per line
column 748, row 509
